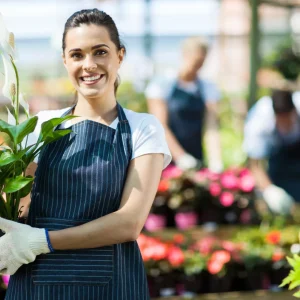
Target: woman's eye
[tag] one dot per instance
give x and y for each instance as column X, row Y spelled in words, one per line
column 100, row 52
column 76, row 55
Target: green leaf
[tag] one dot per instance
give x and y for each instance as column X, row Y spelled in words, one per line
column 294, row 284
column 297, row 294
column 7, row 158
column 15, row 184
column 27, row 188
column 291, row 261
column 18, row 132
column 286, row 281
column 56, row 135
column 48, row 127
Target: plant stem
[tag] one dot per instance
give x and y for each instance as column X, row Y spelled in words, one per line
column 17, row 93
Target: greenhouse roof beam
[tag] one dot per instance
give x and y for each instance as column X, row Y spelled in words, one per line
column 282, row 3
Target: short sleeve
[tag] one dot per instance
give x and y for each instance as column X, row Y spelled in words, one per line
column 149, row 137
column 210, row 91
column 159, row 88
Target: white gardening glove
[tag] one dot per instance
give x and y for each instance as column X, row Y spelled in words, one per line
column 187, row 161
column 278, row 200
column 20, row 245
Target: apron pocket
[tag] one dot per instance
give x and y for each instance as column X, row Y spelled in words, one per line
column 84, row 266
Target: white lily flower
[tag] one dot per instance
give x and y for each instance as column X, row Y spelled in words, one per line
column 24, row 104
column 10, row 118
column 9, row 74
column 6, row 39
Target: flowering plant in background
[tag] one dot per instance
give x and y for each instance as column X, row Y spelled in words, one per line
column 16, row 155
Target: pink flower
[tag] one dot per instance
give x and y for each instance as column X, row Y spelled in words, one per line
column 229, row 246
column 5, row 279
column 244, row 172
column 175, row 256
column 171, row 172
column 186, row 220
column 245, row 216
column 226, row 199
column 215, row 189
column 155, row 222
column 205, row 245
column 247, row 183
column 229, row 180
column 200, row 176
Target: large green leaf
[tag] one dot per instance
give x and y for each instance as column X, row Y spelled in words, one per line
column 18, row 132
column 56, row 135
column 47, row 128
column 27, row 188
column 8, row 157
column 15, row 184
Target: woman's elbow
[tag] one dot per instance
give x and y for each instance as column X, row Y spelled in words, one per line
column 135, row 229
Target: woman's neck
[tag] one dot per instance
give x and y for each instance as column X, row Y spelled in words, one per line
column 186, row 76
column 99, row 111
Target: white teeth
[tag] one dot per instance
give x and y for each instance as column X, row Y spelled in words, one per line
column 92, row 78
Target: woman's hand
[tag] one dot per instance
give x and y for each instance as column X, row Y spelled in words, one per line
column 20, row 245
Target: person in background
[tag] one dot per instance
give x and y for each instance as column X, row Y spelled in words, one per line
column 272, row 143
column 182, row 104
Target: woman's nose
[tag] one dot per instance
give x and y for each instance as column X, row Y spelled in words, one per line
column 89, row 63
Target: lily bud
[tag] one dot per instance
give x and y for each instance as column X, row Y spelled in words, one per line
column 11, row 40
column 12, row 90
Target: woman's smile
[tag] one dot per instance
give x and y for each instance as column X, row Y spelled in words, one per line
column 91, row 79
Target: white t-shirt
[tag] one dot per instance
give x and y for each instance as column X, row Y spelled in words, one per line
column 148, row 135
column 260, row 125
column 161, row 86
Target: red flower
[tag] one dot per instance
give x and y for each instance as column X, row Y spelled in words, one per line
column 215, row 189
column 226, row 199
column 273, row 237
column 214, row 267
column 278, row 255
column 221, row 256
column 229, row 180
column 178, row 238
column 218, row 259
column 205, row 245
column 160, row 251
column 247, row 183
column 163, row 186
column 175, row 256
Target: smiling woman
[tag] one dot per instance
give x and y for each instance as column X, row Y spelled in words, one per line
column 93, row 188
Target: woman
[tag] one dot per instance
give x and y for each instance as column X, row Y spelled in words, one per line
column 93, row 188
column 182, row 104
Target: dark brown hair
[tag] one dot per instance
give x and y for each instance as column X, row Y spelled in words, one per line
column 95, row 17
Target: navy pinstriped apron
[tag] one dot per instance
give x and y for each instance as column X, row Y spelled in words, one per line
column 80, row 178
column 186, row 112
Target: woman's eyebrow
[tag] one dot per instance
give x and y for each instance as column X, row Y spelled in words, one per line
column 94, row 47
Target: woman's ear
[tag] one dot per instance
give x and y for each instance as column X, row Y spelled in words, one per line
column 64, row 60
column 121, row 55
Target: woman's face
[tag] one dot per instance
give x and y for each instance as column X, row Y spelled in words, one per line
column 92, row 60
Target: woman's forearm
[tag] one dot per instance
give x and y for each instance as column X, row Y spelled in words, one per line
column 111, row 229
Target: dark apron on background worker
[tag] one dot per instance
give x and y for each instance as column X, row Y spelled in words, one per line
column 81, row 178
column 284, row 165
column 186, row 112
